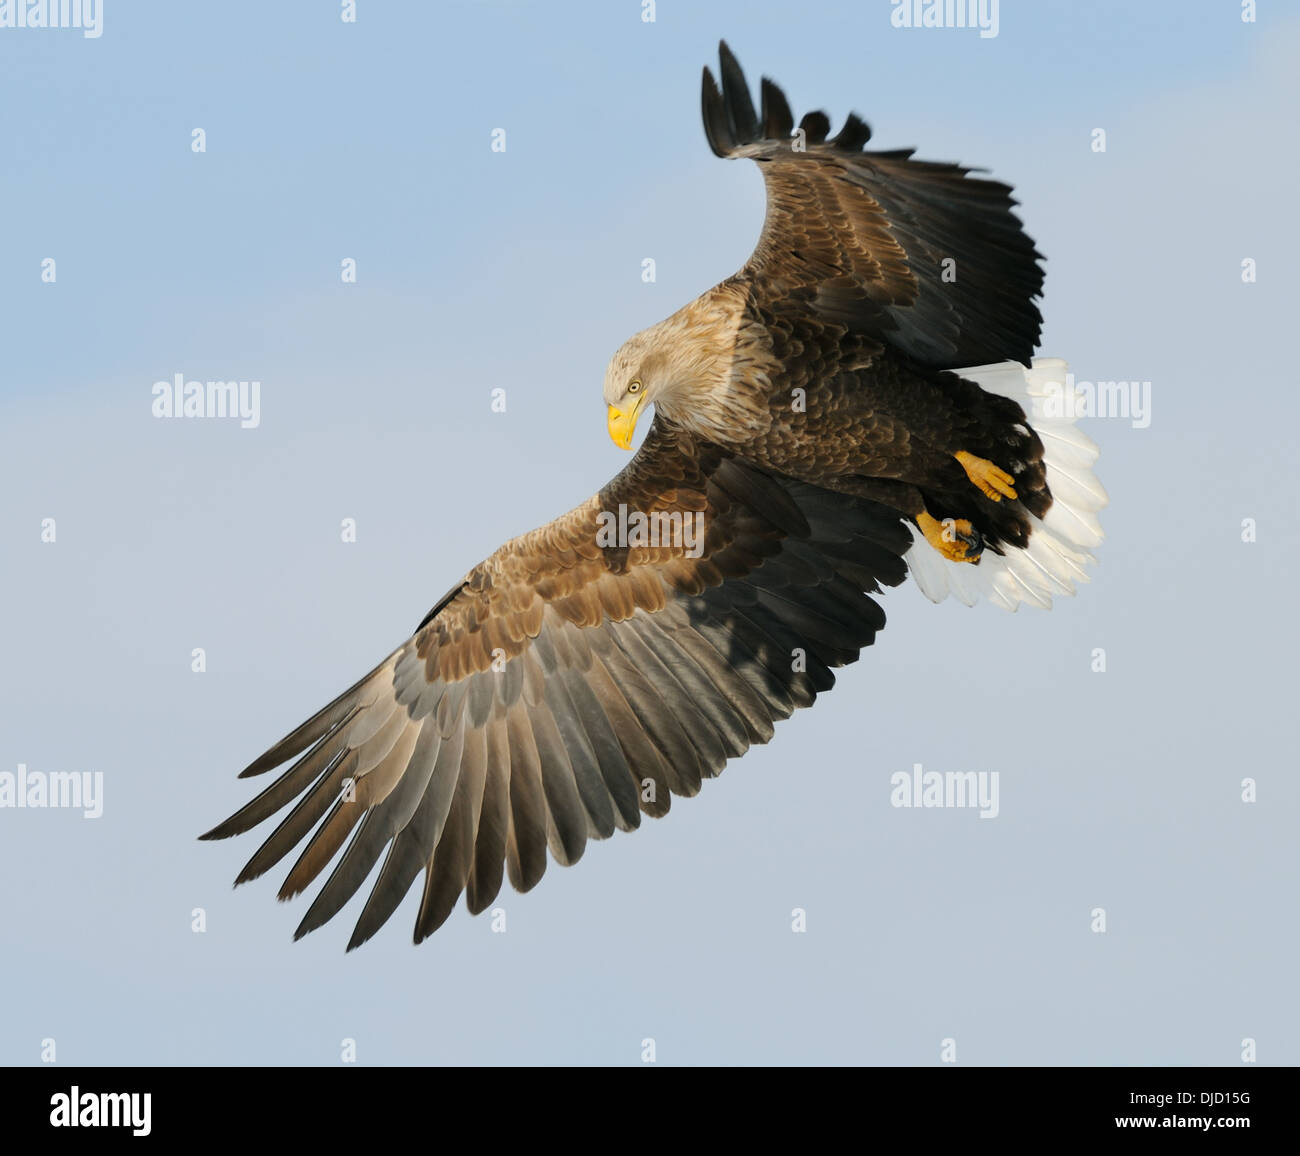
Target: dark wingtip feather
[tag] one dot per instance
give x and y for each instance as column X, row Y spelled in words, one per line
column 367, row 925
column 247, row 876
column 778, row 120
column 430, row 922
column 322, row 723
column 855, row 133
column 739, row 104
column 815, row 126
column 714, row 113
column 225, row 830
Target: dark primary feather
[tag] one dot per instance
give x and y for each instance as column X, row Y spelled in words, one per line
column 622, row 677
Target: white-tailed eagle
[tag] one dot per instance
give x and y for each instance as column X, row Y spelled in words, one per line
column 860, row 400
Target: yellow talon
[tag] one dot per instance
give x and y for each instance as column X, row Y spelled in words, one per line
column 994, row 483
column 955, row 538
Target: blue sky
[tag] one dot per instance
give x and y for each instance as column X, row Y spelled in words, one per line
column 522, row 270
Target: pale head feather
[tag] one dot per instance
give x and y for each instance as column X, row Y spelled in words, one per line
column 687, row 368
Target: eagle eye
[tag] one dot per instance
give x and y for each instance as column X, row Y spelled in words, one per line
column 634, row 387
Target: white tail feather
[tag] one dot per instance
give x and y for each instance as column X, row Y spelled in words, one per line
column 1057, row 556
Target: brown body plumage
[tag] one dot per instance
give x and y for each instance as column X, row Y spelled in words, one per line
column 819, row 401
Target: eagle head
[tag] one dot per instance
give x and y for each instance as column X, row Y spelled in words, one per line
column 637, row 376
column 682, row 366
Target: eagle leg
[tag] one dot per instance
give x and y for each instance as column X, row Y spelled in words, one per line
column 955, row 538
column 994, row 483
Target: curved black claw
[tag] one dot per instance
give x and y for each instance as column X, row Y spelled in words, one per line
column 974, row 543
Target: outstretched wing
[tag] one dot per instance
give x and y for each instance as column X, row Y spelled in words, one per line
column 568, row 684
column 919, row 254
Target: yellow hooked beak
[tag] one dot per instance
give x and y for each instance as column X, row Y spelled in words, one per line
column 623, row 425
